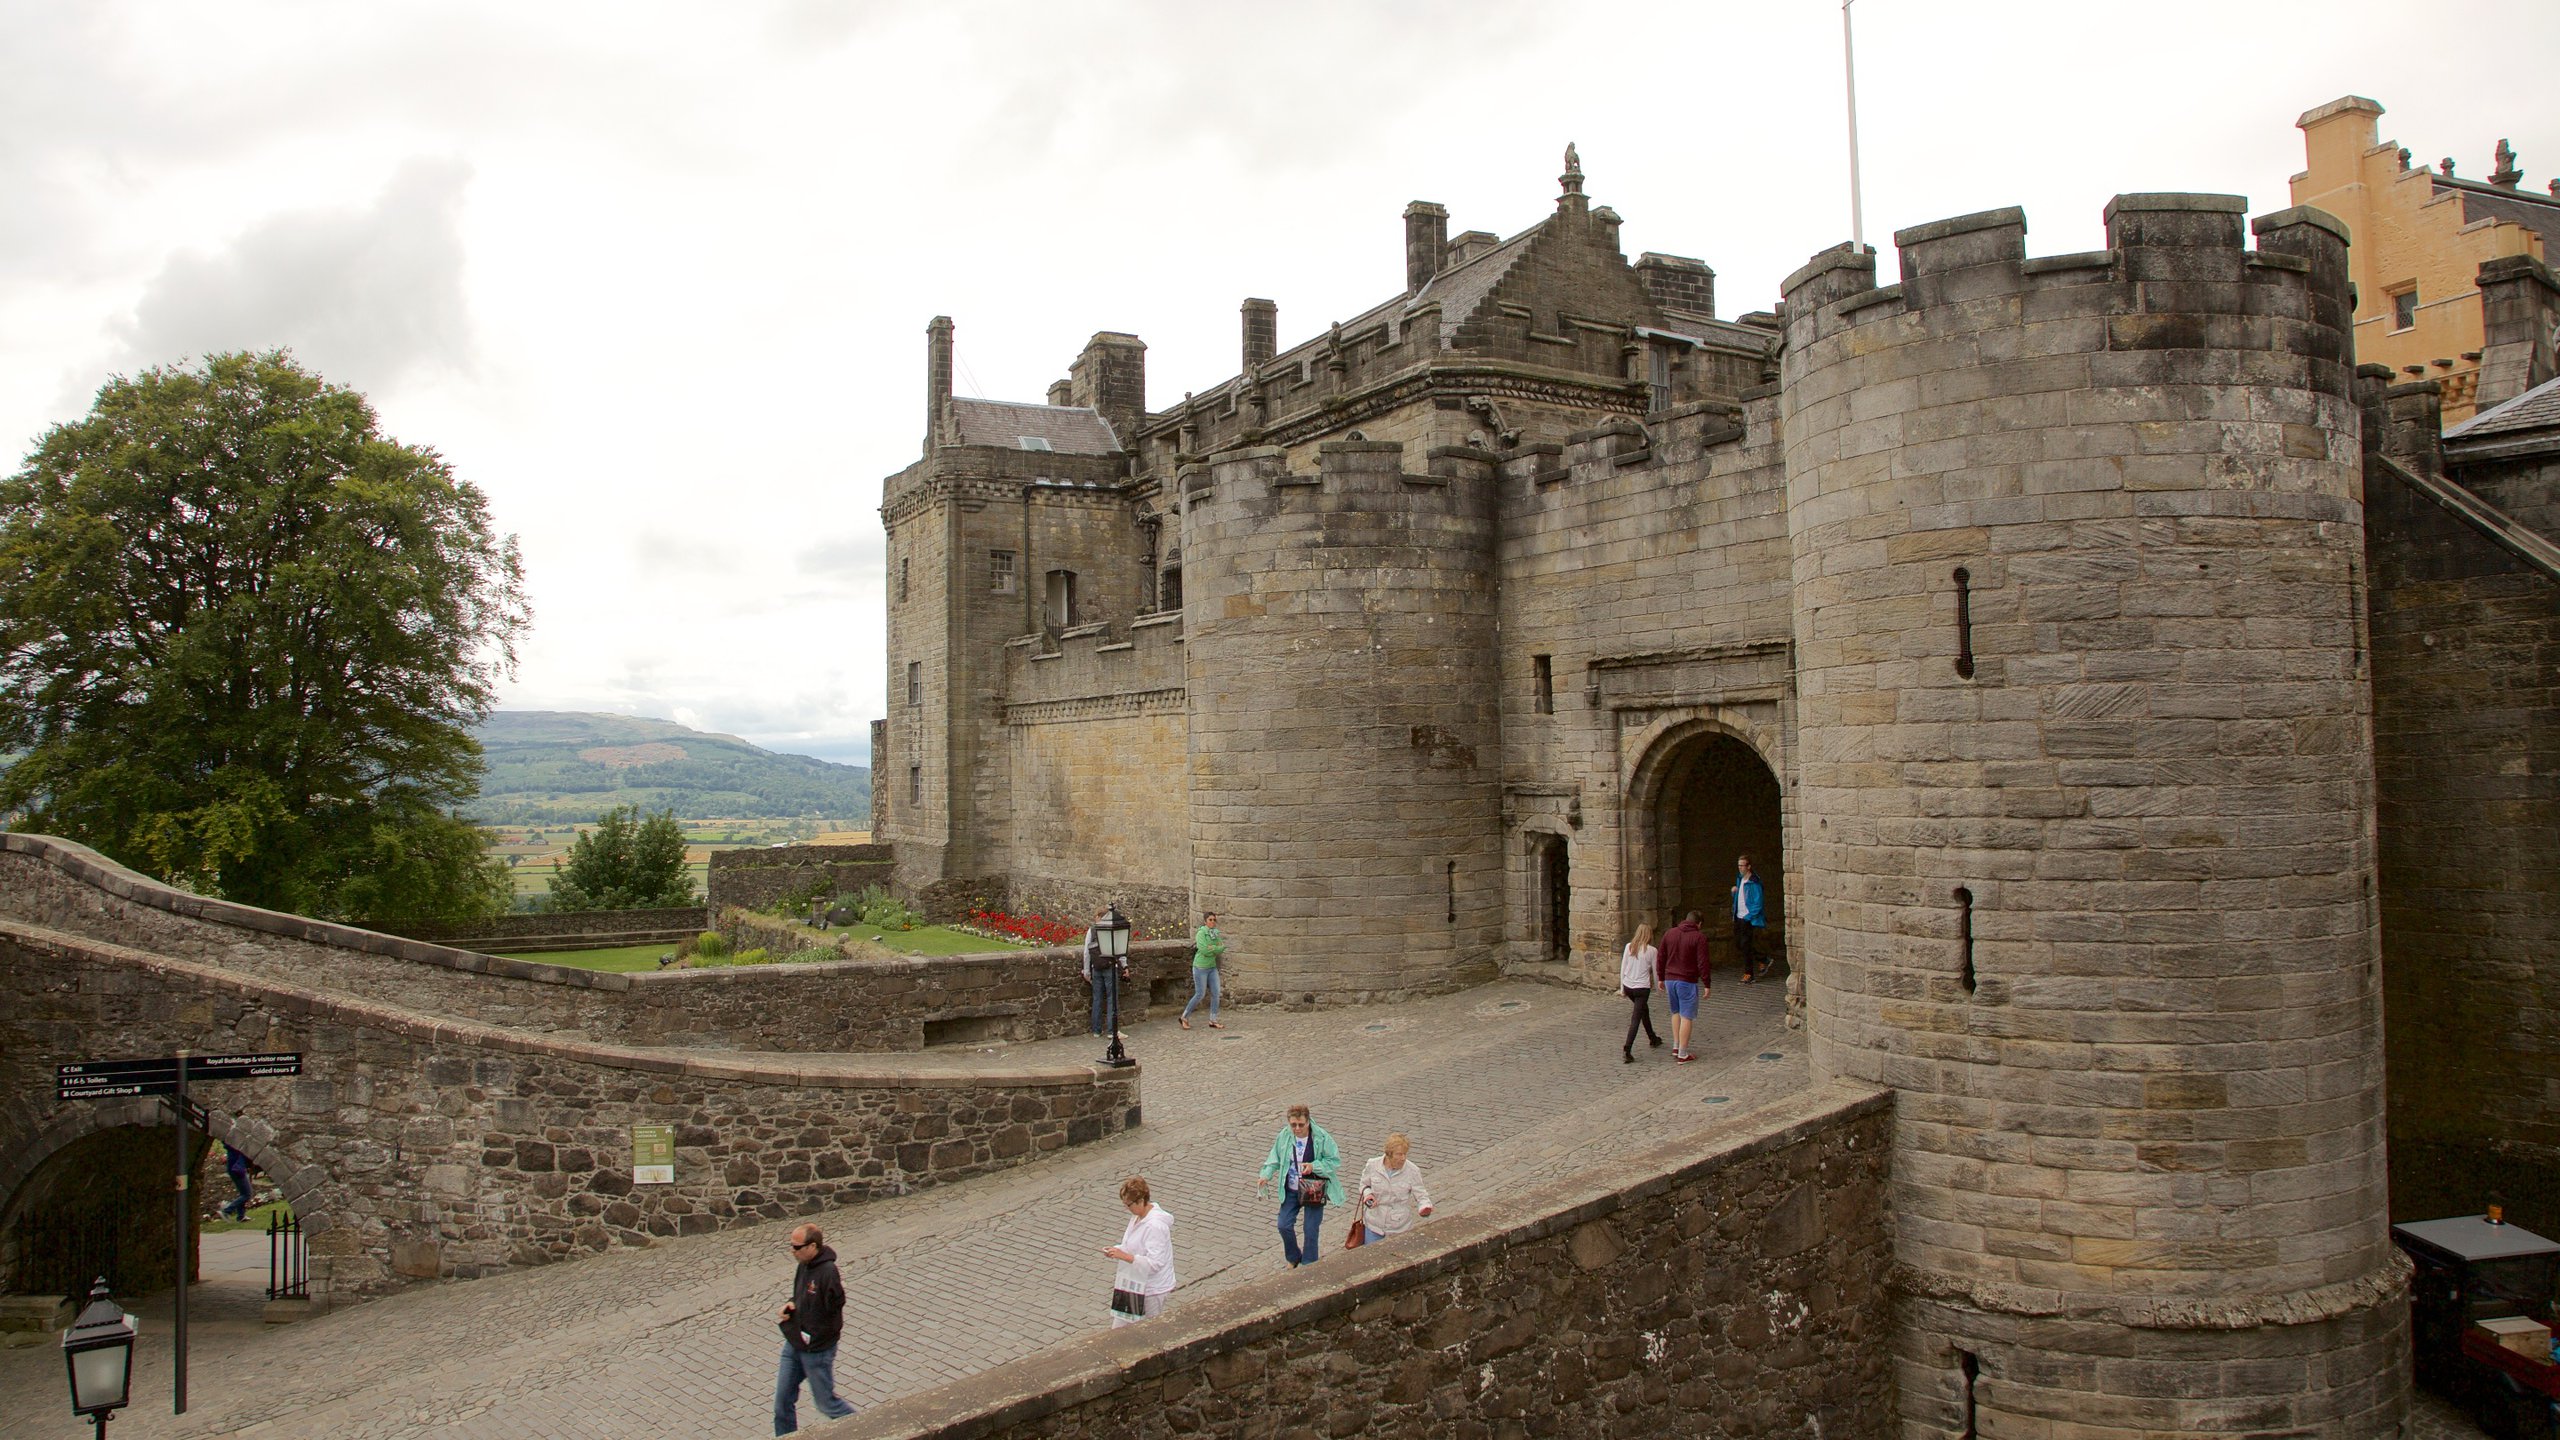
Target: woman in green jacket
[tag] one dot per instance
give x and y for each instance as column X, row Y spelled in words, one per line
column 1306, row 1163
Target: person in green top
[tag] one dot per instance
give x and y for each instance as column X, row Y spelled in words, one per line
column 1308, row 1166
column 1207, row 944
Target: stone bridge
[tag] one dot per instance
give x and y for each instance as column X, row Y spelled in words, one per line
column 459, row 1113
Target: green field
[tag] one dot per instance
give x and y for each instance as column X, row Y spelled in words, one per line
column 620, row 958
column 934, row 940
column 534, row 853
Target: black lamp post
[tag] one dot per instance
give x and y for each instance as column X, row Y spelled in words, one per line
column 98, row 1351
column 1113, row 932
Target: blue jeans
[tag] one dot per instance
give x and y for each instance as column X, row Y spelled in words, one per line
column 1106, row 987
column 819, row 1368
column 1204, row 980
column 1295, row 1217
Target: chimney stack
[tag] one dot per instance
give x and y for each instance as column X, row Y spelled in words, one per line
column 1111, row 376
column 2519, row 315
column 937, row 381
column 1062, row 392
column 1426, row 243
column 1261, row 333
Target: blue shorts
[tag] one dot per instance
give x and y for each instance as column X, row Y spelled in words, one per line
column 1684, row 997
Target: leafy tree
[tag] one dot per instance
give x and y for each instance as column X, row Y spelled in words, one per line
column 243, row 638
column 628, row 862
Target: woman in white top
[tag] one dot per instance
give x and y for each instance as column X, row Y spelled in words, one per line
column 1392, row 1196
column 1145, row 1253
column 1636, row 967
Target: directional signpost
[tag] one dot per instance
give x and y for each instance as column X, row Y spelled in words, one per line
column 168, row 1075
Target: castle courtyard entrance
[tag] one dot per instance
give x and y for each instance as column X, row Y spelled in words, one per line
column 1703, row 798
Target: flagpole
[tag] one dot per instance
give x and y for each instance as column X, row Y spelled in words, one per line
column 1849, row 59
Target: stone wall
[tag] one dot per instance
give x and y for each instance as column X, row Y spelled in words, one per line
column 1096, row 736
column 844, row 1005
column 2088, row 855
column 1734, row 1285
column 420, row 1147
column 756, row 879
column 1650, row 568
column 2466, row 676
column 563, row 929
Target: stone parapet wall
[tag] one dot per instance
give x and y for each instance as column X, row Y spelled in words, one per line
column 563, row 929
column 417, row 1147
column 842, row 1005
column 1732, row 1284
column 757, row 879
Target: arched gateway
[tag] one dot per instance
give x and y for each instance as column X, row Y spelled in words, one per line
column 1700, row 797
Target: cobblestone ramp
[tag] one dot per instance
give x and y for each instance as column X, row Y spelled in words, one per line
column 1503, row 1088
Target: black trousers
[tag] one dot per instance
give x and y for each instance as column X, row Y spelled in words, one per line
column 1641, row 1017
column 1745, row 936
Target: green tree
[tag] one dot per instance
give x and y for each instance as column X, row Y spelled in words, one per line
column 628, row 862
column 243, row 638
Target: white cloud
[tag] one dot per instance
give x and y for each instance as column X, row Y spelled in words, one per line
column 365, row 296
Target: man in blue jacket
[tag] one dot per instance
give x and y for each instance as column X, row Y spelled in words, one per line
column 1746, row 919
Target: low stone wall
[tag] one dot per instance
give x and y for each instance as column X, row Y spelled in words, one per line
column 420, row 1147
column 1731, row 1284
column 564, row 930
column 900, row 1003
column 912, row 1002
column 757, row 879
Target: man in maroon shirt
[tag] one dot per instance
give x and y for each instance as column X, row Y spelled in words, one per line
column 1685, row 977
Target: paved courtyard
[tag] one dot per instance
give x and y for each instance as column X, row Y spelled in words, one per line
column 1502, row 1088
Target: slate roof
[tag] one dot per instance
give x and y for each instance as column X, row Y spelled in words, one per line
column 1069, row 429
column 2537, row 213
column 2535, row 409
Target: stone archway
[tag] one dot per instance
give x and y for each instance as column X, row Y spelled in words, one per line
column 64, row 1154
column 1701, row 796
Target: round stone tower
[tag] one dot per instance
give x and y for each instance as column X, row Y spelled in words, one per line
column 2088, row 855
column 1346, row 806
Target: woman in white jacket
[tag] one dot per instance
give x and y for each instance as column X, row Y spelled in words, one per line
column 1145, row 1253
column 1392, row 1196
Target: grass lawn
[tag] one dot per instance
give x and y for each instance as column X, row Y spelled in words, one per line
column 257, row 1218
column 932, row 940
column 618, row 957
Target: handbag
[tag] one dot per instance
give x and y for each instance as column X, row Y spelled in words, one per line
column 1313, row 1189
column 1359, row 1235
column 1128, row 1302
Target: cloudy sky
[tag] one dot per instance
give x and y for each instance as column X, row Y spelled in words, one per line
column 656, row 277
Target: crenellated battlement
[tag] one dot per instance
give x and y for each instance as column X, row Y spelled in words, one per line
column 2188, row 240
column 1092, row 668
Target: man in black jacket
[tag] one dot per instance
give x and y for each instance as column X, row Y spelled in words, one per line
column 812, row 1320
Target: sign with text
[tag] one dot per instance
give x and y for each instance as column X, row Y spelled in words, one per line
column 114, row 1079
column 653, row 1154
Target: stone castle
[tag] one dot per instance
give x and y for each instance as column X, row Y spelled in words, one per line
column 2069, row 639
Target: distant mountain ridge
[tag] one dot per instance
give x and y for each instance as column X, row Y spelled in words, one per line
column 557, row 766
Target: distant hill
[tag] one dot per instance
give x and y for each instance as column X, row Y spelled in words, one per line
column 556, row 766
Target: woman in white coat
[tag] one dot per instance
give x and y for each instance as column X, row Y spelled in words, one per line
column 1145, row 1255
column 1392, row 1195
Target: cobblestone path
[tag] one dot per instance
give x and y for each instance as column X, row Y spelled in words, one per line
column 1501, row 1087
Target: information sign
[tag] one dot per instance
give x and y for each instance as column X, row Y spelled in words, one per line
column 114, row 1079
column 653, row 1154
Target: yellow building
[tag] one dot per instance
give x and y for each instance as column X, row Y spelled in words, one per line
column 2420, row 236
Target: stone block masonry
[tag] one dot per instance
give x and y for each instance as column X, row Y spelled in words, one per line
column 757, row 879
column 2088, row 854
column 415, row 1147
column 563, row 929
column 1732, row 1285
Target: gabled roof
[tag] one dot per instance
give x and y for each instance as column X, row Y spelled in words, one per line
column 1065, row 429
column 2535, row 409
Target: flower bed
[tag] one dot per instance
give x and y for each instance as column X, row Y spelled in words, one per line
column 1029, row 929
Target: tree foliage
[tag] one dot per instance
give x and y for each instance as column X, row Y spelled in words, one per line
column 627, row 862
column 243, row 637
